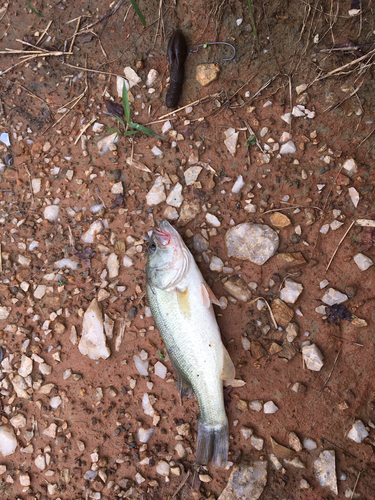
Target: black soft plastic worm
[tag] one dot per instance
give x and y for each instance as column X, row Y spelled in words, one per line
column 177, row 53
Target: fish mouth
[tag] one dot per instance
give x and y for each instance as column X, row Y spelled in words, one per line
column 162, row 237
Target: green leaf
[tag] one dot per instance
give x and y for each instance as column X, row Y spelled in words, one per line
column 125, row 103
column 252, row 20
column 143, row 129
column 130, row 132
column 112, row 129
column 32, row 8
column 139, row 13
column 119, row 120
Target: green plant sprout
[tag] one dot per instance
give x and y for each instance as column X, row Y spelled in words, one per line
column 33, row 10
column 139, row 13
column 250, row 141
column 252, row 20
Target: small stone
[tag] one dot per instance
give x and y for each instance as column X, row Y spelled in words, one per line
column 309, row 444
column 325, row 470
column 4, row 312
column 3, row 469
column 288, row 148
column 324, row 229
column 144, row 435
column 292, row 259
column 94, row 229
column 216, row 264
column 282, row 313
column 358, row 432
column 301, row 88
column 205, row 478
column 212, row 220
column 113, row 266
column 238, row 185
column 291, row 291
column 335, row 225
column 108, row 143
column 191, row 175
column 354, row 196
column 20, row 386
column 332, row 297
column 81, row 446
column 131, row 76
column 304, row 485
column 40, row 291
column 313, row 357
column 246, row 482
column 231, row 138
column 166, row 127
column 141, row 366
column 350, row 166
column 51, row 212
column 175, row 197
column 253, row 242
column 160, row 370
column 36, row 185
column 117, row 188
column 151, row 77
column 295, row 462
column 51, row 430
column 156, row 151
column 291, row 331
column 294, row 442
column 171, row 213
column 362, row 261
column 256, row 405
column 189, row 210
column 163, row 468
column 8, row 441
column 93, row 339
column 18, row 421
column 238, row 289
column 40, row 462
column 103, row 295
column 280, row 220
column 24, row 479
column 26, row 366
column 156, row 194
column 247, row 432
column 257, row 442
column 207, row 73
column 323, row 284
column 275, row 461
column 181, row 452
column 297, row 111
column 270, row 407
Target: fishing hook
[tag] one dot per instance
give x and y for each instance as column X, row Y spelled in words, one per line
column 217, row 43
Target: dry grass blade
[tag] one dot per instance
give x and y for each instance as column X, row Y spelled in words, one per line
column 83, row 130
column 345, row 66
column 338, row 246
column 213, row 96
column 330, row 373
column 137, row 164
column 365, row 222
column 269, row 309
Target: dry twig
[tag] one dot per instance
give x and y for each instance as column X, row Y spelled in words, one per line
column 269, row 309
column 330, row 373
column 338, row 246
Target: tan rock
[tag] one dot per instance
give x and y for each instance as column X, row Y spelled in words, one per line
column 280, row 220
column 207, row 73
column 293, row 259
column 283, row 314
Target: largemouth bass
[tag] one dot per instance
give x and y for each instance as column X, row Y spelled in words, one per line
column 181, row 304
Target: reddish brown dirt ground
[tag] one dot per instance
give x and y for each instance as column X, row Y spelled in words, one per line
column 31, row 95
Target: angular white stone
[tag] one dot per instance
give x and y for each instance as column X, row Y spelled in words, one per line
column 147, row 406
column 301, row 88
column 120, row 82
column 8, row 441
column 107, row 143
column 256, row 405
column 362, row 261
column 257, row 442
column 270, row 407
column 175, row 197
column 323, row 284
column 291, row 291
column 156, row 151
column 297, row 112
column 141, row 366
column 93, row 339
column 171, row 213
column 333, row 296
column 40, row 291
column 113, row 266
column 309, row 444
column 238, row 185
column 40, row 462
column 285, row 137
column 288, row 148
column 350, row 166
column 213, row 220
column 4, row 312
column 163, row 468
column 247, row 432
column 26, row 366
column 131, row 76
column 145, row 434
column 51, row 212
column 24, row 479
column 117, row 188
column 313, row 357
column 160, row 370
column 191, row 175
column 336, row 225
column 325, row 470
column 68, row 263
column 354, row 196
column 127, row 262
column 231, row 138
column 156, row 194
column 151, row 77
column 55, row 402
column 166, row 127
column 216, row 264
column 18, row 421
column 51, row 430
column 94, row 229
column 36, row 185
column 287, row 117
column 358, row 432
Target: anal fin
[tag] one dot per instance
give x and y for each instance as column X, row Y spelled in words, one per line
column 208, row 296
column 183, row 385
column 228, row 372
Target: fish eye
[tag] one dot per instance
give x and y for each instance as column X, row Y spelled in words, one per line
column 152, row 248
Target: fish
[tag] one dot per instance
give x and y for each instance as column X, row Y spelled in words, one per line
column 177, row 53
column 181, row 304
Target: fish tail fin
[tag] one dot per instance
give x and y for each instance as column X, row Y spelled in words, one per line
column 212, row 444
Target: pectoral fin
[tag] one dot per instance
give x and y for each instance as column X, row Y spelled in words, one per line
column 183, row 385
column 228, row 371
column 208, row 296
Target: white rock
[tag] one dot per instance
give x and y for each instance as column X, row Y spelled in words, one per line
column 358, row 432
column 231, row 138
column 156, row 194
column 36, row 184
column 191, row 175
column 288, row 148
column 162, row 468
column 147, row 406
column 287, row 117
column 297, row 112
column 20, row 386
column 175, row 197
column 309, row 444
column 275, row 461
column 131, row 76
column 313, row 357
column 336, row 225
column 117, row 188
column 4, row 138
column 354, row 196
column 350, row 166
column 55, row 402
column 127, row 262
column 24, row 479
column 301, row 88
column 108, row 143
column 151, row 77
column 285, row 137
column 166, row 126
column 18, row 421
column 94, row 229
column 239, row 21
column 8, row 441
column 40, row 462
column 51, row 430
column 181, row 452
column 216, row 264
column 40, row 291
column 247, row 432
column 26, row 366
column 4, row 312
column 325, row 470
column 93, row 339
column 257, row 442
column 256, row 405
column 212, row 220
column 324, row 229
column 323, row 284
column 120, row 82
column 362, row 261
column 145, row 434
column 51, row 212
column 97, row 128
column 160, row 370
column 171, row 213
column 270, row 407
column 113, row 266
column 3, row 469
column 238, row 185
column 68, row 263
column 141, row 366
column 291, row 291
column 291, row 332
column 333, row 296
